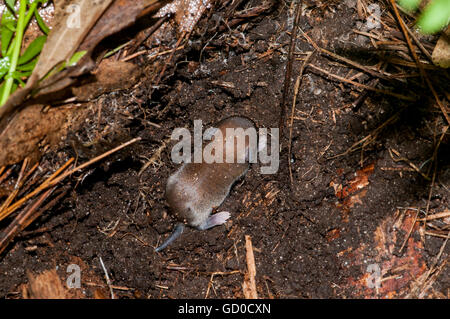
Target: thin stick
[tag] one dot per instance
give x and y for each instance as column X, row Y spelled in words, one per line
column 398, row 61
column 406, row 36
column 96, row 159
column 410, row 231
column 108, row 281
column 287, row 75
column 30, row 171
column 21, row 221
column 17, row 186
column 436, row 234
column 22, row 172
column 443, row 214
column 416, row 59
column 434, row 175
column 53, row 180
column 150, row 31
column 249, row 285
column 169, row 60
column 6, row 174
column 220, row 273
column 210, row 283
column 436, row 259
column 49, row 205
column 419, row 44
column 369, row 138
column 404, row 159
column 59, row 170
column 348, row 61
column 181, row 47
column 362, row 86
column 134, row 55
column 7, row 211
column 155, row 156
column 291, row 124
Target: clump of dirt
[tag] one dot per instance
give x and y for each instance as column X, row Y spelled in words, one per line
column 312, row 238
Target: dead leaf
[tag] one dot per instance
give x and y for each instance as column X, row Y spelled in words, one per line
column 73, row 21
column 98, row 19
column 47, row 285
column 441, row 52
column 351, row 193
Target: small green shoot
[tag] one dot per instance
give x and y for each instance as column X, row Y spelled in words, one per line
column 14, row 67
column 410, row 5
column 65, row 64
column 435, row 15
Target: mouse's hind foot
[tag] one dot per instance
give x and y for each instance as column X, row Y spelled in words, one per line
column 215, row 220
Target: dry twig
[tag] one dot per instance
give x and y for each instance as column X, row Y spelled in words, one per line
column 30, row 213
column 434, row 173
column 287, row 77
column 416, row 59
column 249, row 284
column 108, row 281
column 291, row 124
column 362, row 86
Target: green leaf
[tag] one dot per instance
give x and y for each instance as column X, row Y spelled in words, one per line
column 10, row 4
column 33, row 49
column 11, row 26
column 8, row 25
column 410, row 5
column 435, row 16
column 5, row 63
column 28, row 66
column 62, row 65
column 41, row 22
column 75, row 58
column 19, row 75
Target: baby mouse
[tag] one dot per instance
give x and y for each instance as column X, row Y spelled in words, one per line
column 195, row 189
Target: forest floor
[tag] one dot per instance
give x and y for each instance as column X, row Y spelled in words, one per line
column 332, row 218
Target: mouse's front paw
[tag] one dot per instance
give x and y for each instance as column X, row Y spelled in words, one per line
column 221, row 218
column 215, row 220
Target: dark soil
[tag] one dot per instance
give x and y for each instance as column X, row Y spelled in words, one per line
column 309, row 242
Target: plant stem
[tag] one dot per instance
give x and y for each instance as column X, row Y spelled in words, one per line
column 30, row 14
column 28, row 17
column 9, row 80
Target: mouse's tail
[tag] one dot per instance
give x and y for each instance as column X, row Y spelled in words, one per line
column 175, row 234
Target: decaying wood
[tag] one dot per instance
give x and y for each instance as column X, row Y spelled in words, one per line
column 249, row 284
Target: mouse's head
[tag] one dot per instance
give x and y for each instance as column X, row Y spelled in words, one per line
column 236, row 137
